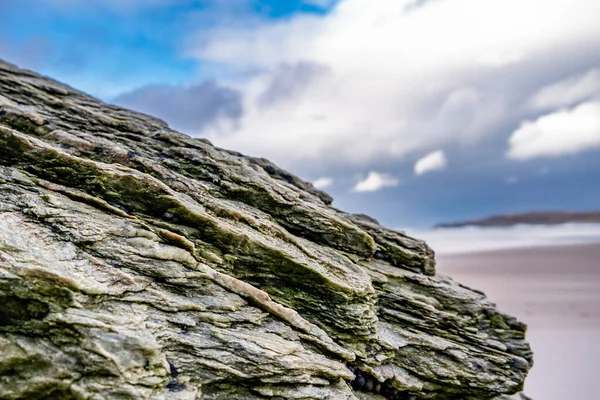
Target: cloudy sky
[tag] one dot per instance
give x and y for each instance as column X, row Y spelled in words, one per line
column 415, row 112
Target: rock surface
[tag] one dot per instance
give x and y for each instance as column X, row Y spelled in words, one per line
column 139, row 263
column 519, row 396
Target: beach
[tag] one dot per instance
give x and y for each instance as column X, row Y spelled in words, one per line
column 556, row 291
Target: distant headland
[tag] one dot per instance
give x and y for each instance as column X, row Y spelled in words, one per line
column 528, row 218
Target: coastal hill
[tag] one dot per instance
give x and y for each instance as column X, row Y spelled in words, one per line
column 528, row 218
column 140, row 263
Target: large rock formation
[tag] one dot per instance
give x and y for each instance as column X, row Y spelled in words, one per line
column 139, row 263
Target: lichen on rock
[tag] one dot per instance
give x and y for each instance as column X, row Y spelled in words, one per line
column 139, row 263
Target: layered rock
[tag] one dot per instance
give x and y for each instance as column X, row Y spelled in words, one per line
column 139, row 263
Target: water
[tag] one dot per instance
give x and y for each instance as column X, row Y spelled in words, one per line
column 471, row 239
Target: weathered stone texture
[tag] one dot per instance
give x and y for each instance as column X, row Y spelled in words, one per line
column 139, row 263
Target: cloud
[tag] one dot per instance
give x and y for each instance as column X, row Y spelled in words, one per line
column 568, row 92
column 459, row 100
column 375, row 181
column 434, row 161
column 187, row 108
column 399, row 81
column 323, row 183
column 465, row 114
column 288, row 81
column 564, row 132
column 414, row 4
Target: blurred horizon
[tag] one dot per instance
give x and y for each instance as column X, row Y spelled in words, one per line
column 463, row 240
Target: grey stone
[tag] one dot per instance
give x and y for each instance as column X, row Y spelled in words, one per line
column 139, row 263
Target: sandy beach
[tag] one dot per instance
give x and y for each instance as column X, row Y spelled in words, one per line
column 556, row 291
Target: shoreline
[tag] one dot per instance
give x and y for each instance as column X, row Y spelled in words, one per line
column 593, row 244
column 459, row 241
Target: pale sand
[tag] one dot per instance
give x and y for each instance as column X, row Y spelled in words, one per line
column 556, row 291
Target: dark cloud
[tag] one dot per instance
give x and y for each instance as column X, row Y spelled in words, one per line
column 290, row 80
column 186, row 108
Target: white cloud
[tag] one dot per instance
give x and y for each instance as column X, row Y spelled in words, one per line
column 323, row 183
column 568, row 92
column 433, row 161
column 400, row 80
column 499, row 58
column 466, row 114
column 375, row 181
column 561, row 133
column 460, row 100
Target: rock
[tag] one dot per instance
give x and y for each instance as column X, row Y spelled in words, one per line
column 519, row 396
column 139, row 263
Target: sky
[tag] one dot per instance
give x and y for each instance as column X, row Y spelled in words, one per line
column 413, row 111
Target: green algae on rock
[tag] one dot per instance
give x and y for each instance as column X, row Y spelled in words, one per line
column 139, row 263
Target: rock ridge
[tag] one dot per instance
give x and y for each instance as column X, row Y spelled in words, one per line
column 139, row 263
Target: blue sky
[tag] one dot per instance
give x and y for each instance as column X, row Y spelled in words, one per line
column 415, row 112
column 108, row 47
